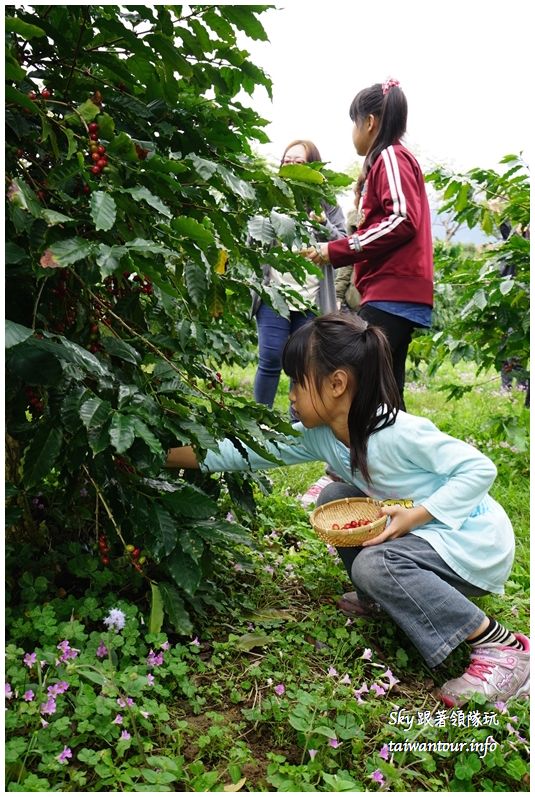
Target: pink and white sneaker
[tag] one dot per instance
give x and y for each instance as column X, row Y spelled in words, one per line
column 495, row 671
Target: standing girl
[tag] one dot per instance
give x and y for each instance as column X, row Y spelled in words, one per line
column 454, row 541
column 273, row 328
column 392, row 249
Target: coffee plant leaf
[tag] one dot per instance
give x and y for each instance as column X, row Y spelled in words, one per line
column 122, row 432
column 156, row 610
column 15, row 334
column 41, row 455
column 174, row 608
column 103, row 210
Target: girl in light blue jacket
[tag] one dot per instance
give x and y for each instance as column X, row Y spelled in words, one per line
column 448, row 541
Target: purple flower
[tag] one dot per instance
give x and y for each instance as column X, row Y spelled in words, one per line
column 312, row 754
column 367, row 655
column 44, row 723
column 102, row 650
column 378, row 689
column 64, row 755
column 115, row 621
column 237, row 567
column 57, row 689
column 83, row 492
column 349, row 621
column 279, row 689
column 30, row 659
column 383, row 752
column 150, row 679
column 145, row 714
column 332, row 550
column 125, row 735
column 195, row 641
column 334, row 743
column 118, row 720
column 346, row 679
column 332, row 673
column 67, row 651
column 154, row 659
column 28, row 696
column 269, row 569
column 392, row 680
column 9, row 691
column 359, row 692
column 123, row 703
column 230, row 517
column 500, row 705
column 378, row 777
column 165, row 646
column 49, row 707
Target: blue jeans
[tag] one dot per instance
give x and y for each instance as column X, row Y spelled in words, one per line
column 413, row 584
column 273, row 332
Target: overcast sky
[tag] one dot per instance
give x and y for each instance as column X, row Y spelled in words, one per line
column 462, row 64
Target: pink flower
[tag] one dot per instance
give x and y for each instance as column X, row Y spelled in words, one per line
column 312, row 754
column 237, row 567
column 49, row 707
column 165, row 646
column 334, row 743
column 269, row 569
column 67, row 651
column 195, row 642
column 378, row 777
column 145, row 714
column 9, row 691
column 349, row 621
column 125, row 735
column 44, row 723
column 118, row 720
column 102, row 650
column 332, row 550
column 150, row 679
column 279, row 689
column 154, row 659
column 57, row 689
column 123, row 703
column 384, row 752
column 332, row 673
column 346, row 679
column 367, row 655
column 500, row 705
column 392, row 680
column 359, row 692
column 64, row 755
column 378, row 689
column 30, row 659
column 28, row 696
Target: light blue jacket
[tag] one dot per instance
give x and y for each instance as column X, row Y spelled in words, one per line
column 414, row 460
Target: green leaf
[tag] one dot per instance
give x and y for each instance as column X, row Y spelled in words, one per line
column 174, row 607
column 195, row 279
column 15, row 334
column 249, row 641
column 236, row 184
column 190, row 502
column 122, row 432
column 192, row 229
column 109, row 258
column 14, row 254
column 87, row 110
column 24, row 29
column 284, row 226
column 103, row 210
column 301, row 173
column 144, row 433
column 119, row 348
column 95, row 412
column 156, row 610
column 244, row 19
column 52, row 217
column 67, row 252
column 139, row 193
column 261, row 229
column 324, row 730
column 123, row 147
column 185, row 572
column 41, row 455
column 164, row 529
column 204, row 168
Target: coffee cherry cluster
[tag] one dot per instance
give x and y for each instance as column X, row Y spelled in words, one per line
column 135, row 555
column 97, row 151
column 353, row 524
column 104, row 549
column 36, row 404
column 44, row 95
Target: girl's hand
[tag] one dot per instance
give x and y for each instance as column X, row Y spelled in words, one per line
column 402, row 520
column 319, row 254
column 317, row 217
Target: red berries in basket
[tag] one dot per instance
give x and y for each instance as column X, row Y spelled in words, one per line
column 353, row 524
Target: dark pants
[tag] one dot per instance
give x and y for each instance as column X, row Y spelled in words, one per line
column 273, row 332
column 398, row 331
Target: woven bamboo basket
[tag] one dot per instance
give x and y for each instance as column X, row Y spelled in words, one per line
column 344, row 511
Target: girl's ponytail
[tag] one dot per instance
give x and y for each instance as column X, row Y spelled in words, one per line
column 376, row 401
column 387, row 102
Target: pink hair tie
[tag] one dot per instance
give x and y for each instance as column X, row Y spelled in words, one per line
column 388, row 84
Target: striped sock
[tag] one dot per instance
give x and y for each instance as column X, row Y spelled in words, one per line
column 496, row 634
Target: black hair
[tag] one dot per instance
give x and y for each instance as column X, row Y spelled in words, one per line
column 333, row 341
column 391, row 110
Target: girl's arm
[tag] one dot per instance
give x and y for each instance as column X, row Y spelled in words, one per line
column 396, row 187
column 183, row 457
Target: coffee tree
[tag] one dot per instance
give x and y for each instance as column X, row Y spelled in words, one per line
column 138, row 219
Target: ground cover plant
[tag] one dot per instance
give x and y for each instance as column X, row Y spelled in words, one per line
column 276, row 690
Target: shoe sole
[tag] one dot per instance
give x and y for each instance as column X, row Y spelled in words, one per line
column 522, row 693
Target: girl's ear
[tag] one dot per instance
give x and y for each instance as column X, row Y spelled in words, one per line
column 372, row 122
column 339, row 381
